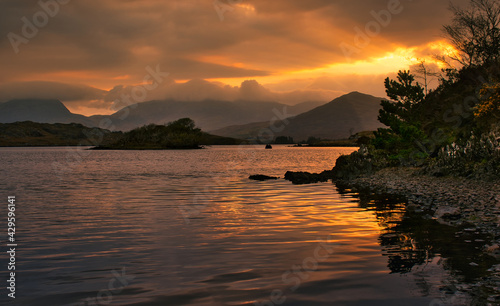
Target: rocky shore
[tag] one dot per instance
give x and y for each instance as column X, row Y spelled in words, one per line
column 452, row 200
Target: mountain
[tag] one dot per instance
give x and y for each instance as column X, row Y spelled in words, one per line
column 338, row 119
column 39, row 110
column 208, row 114
column 304, row 107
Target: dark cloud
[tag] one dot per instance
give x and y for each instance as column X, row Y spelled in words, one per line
column 108, row 43
column 250, row 90
column 49, row 90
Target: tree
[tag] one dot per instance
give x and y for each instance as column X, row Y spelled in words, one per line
column 183, row 125
column 425, row 73
column 404, row 93
column 475, row 32
column 398, row 114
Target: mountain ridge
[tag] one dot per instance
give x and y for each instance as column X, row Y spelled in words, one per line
column 209, row 114
column 39, row 110
column 339, row 119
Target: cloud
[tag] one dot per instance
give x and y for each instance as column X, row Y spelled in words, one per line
column 97, row 43
column 108, row 36
column 49, row 90
column 249, row 90
column 88, row 100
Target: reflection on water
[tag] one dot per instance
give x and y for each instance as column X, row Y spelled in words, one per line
column 415, row 243
column 189, row 228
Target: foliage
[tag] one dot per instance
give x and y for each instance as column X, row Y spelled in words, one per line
column 180, row 134
column 403, row 130
column 454, row 128
column 478, row 156
column 183, row 125
column 487, row 111
column 364, row 161
column 405, row 91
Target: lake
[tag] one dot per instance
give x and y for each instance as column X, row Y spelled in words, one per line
column 190, row 228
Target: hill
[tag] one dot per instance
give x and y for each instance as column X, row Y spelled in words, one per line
column 338, row 119
column 39, row 110
column 45, row 134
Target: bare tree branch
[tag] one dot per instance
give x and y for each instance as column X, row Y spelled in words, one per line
column 475, row 32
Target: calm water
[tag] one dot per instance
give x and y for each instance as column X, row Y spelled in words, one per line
column 189, row 228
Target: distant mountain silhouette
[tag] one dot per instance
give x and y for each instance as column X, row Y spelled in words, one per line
column 208, row 114
column 338, row 119
column 39, row 110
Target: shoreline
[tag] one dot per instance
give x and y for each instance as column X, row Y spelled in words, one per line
column 471, row 206
column 452, row 200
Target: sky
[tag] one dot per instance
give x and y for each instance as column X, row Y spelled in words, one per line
column 96, row 55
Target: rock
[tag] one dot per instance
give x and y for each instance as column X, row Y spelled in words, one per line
column 261, row 177
column 493, row 251
column 307, row 177
column 301, row 177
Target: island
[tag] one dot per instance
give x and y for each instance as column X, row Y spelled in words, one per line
column 181, row 134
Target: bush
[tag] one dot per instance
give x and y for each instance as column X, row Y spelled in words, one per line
column 359, row 163
column 478, row 157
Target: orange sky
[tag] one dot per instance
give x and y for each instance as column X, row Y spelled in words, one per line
column 89, row 53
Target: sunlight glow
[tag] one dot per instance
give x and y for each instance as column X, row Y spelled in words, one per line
column 401, row 58
column 247, row 7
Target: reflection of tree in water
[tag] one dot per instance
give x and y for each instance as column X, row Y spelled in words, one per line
column 405, row 244
column 411, row 240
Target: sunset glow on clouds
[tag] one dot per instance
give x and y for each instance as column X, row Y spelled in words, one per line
column 312, row 50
